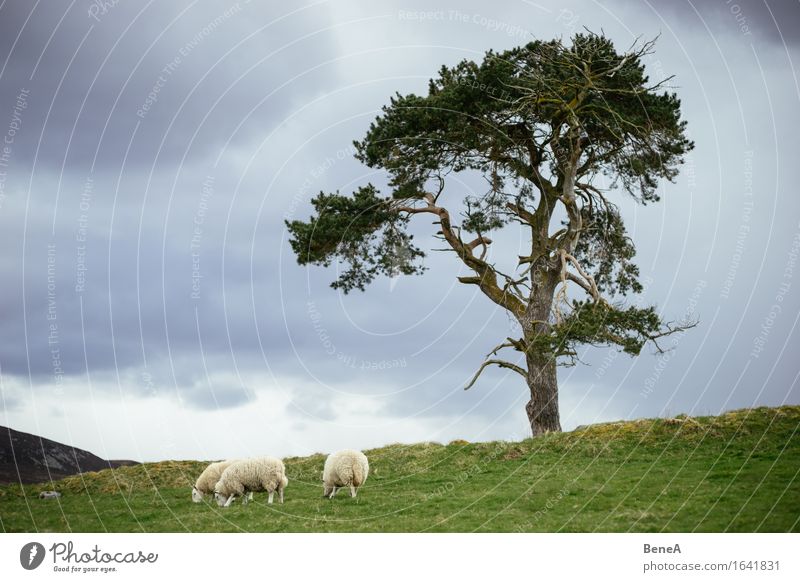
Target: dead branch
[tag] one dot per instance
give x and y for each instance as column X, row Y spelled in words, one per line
column 501, row 363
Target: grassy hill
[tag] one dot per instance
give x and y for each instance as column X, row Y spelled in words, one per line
column 736, row 472
column 29, row 458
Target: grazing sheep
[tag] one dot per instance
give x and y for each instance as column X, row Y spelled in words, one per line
column 49, row 495
column 249, row 475
column 208, row 479
column 346, row 468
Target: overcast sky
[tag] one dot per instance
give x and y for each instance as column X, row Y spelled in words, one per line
column 151, row 308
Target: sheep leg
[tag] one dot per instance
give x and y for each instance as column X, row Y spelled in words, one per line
column 333, row 492
column 246, row 498
column 353, row 490
column 271, row 493
column 280, row 494
column 250, row 496
column 229, row 501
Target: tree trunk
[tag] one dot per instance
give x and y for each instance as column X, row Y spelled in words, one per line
column 542, row 408
column 542, row 379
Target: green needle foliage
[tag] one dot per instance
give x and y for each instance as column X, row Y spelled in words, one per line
column 363, row 231
column 544, row 125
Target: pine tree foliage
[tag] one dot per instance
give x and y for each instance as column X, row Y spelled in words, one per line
column 544, row 124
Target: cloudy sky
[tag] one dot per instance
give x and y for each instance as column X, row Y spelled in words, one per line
column 150, row 306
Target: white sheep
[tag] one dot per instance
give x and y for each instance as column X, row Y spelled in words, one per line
column 208, row 479
column 249, row 475
column 346, row 468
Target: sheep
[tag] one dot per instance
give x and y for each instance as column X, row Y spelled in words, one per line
column 346, row 468
column 249, row 475
column 208, row 479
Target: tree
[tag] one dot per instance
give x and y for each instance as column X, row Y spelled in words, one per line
column 544, row 124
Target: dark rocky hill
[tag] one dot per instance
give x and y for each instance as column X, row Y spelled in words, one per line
column 28, row 458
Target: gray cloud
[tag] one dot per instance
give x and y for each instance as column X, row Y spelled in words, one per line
column 768, row 20
column 226, row 321
column 150, row 84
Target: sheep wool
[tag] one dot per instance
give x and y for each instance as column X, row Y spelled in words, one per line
column 251, row 475
column 346, row 468
column 208, row 479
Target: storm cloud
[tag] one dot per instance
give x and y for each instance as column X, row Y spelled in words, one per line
column 155, row 152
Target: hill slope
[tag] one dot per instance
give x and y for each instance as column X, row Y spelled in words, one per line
column 735, row 472
column 28, row 458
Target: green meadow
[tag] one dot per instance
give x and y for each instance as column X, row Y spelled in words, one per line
column 736, row 472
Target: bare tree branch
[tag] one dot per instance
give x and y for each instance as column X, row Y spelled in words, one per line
column 583, row 284
column 480, row 241
column 487, row 274
column 670, row 328
column 503, row 364
column 593, row 291
column 500, row 347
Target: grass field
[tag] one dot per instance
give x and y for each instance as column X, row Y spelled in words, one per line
column 736, row 472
